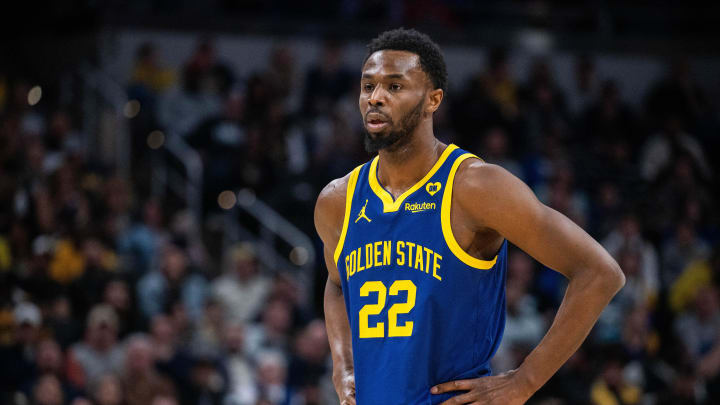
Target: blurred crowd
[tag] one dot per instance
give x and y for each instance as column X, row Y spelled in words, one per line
column 110, row 295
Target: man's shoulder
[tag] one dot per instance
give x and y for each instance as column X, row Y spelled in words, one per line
column 330, row 205
column 476, row 177
column 332, row 196
column 486, row 192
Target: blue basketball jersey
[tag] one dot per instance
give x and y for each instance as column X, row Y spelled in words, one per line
column 421, row 310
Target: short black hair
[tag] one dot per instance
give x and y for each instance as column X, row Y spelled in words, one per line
column 401, row 39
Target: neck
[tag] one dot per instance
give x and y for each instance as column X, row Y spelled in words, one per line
column 400, row 168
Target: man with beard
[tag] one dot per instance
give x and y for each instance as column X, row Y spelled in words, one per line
column 415, row 243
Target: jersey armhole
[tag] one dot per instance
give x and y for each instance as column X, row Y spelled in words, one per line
column 455, row 248
column 352, row 181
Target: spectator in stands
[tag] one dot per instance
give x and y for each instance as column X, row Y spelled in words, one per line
column 242, row 288
column 99, row 266
column 605, row 209
column 524, row 325
column 542, row 105
column 165, row 400
column 242, row 389
column 272, row 331
column 99, row 353
column 499, row 84
column 626, row 235
column 572, row 382
column 220, row 140
column 272, row 375
column 660, row 151
column 20, row 351
column 174, row 280
column 327, row 81
column 683, row 247
column 62, row 140
column 209, row 330
column 308, row 362
column 684, row 389
column 286, row 287
column 141, row 381
column 608, row 131
column 280, row 74
column 698, row 273
column 141, row 241
column 584, row 89
column 207, row 381
column 561, row 194
column 203, row 83
column 640, row 293
column 496, row 149
column 108, row 391
column 49, row 360
column 149, row 77
column 611, row 387
column 63, row 323
column 47, row 391
column 117, row 294
column 677, row 94
column 699, row 327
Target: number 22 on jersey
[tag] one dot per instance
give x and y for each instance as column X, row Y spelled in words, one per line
column 394, row 330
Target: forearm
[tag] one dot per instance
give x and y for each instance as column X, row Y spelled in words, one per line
column 338, row 330
column 588, row 293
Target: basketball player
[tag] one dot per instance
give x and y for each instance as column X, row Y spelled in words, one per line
column 415, row 243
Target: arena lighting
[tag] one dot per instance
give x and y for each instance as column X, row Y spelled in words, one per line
column 299, row 255
column 132, row 108
column 34, row 95
column 226, row 200
column 156, row 139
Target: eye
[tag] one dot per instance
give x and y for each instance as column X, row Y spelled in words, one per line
column 368, row 87
column 395, row 86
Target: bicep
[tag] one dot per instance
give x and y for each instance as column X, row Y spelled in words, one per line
column 550, row 237
column 329, row 217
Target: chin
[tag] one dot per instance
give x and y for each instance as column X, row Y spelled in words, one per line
column 377, row 135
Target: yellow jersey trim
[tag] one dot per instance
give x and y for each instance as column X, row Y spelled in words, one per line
column 445, row 220
column 352, row 181
column 392, row 206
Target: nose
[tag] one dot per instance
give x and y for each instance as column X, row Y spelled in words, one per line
column 376, row 97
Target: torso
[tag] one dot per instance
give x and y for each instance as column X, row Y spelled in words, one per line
column 424, row 292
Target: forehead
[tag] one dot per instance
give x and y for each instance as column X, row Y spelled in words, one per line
column 387, row 62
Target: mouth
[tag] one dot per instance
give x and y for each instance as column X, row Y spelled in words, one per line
column 375, row 122
column 376, row 125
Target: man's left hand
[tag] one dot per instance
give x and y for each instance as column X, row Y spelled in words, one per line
column 504, row 389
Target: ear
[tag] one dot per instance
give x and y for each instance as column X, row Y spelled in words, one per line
column 434, row 98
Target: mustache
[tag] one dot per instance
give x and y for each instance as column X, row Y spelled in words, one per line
column 376, row 111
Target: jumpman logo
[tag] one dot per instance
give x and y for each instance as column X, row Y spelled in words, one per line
column 362, row 213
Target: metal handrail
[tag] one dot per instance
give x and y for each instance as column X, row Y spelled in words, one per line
column 274, row 226
column 115, row 96
column 191, row 161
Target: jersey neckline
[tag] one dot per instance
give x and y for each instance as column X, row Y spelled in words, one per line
column 390, row 205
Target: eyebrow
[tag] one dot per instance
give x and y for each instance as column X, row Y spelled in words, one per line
column 390, row 76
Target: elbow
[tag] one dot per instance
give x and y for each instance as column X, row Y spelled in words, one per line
column 613, row 278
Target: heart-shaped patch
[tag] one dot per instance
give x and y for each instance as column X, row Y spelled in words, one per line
column 433, row 188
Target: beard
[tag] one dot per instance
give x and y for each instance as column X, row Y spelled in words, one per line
column 394, row 138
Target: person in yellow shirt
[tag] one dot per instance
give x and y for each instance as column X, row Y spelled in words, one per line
column 697, row 274
column 610, row 388
column 148, row 72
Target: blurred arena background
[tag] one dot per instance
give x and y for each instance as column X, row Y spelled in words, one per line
column 160, row 160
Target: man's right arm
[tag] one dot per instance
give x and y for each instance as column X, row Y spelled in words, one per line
column 329, row 217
